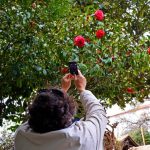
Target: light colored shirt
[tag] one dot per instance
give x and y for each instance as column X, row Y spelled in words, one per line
column 81, row 135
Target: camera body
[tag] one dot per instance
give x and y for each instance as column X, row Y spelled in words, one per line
column 73, row 68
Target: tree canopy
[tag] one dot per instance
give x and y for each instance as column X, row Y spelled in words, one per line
column 37, row 42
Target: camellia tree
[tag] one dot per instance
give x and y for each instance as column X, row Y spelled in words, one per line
column 108, row 39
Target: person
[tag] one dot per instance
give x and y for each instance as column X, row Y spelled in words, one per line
column 50, row 125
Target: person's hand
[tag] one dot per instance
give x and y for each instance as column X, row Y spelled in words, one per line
column 80, row 82
column 66, row 82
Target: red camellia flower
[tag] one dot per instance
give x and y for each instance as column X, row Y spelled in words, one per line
column 148, row 51
column 79, row 41
column 64, row 70
column 130, row 90
column 99, row 15
column 100, row 33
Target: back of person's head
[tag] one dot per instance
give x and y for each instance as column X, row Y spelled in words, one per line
column 51, row 110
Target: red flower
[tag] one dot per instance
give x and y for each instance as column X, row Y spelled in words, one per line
column 148, row 51
column 130, row 90
column 79, row 41
column 99, row 15
column 64, row 70
column 100, row 33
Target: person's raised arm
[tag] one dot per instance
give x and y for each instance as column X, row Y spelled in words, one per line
column 89, row 101
column 95, row 119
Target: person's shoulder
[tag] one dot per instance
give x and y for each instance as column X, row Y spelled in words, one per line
column 23, row 127
column 77, row 126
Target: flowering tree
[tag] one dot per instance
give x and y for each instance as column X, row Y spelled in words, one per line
column 108, row 40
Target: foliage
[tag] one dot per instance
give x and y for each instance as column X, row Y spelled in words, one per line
column 26, row 61
column 137, row 137
column 36, row 42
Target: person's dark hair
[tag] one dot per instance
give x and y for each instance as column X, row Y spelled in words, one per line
column 51, row 110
